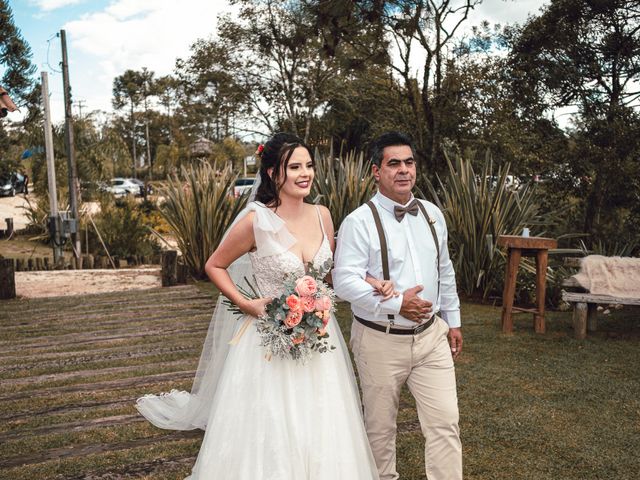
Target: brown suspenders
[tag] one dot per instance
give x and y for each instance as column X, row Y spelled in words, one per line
column 384, row 251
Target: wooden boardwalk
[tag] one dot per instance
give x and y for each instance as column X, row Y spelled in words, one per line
column 71, row 369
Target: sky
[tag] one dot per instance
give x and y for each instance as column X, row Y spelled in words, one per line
column 107, row 37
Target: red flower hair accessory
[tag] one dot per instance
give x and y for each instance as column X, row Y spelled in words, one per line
column 259, row 151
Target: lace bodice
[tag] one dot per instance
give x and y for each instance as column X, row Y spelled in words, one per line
column 270, row 271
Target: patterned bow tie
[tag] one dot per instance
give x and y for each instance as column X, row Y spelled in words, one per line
column 400, row 212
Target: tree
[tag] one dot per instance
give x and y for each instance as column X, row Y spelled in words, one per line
column 211, row 94
column 430, row 25
column 585, row 54
column 127, row 90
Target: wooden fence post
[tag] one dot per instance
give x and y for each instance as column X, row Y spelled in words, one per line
column 7, row 279
column 169, row 268
column 9, row 231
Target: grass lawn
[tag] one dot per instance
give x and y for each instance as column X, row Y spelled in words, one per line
column 532, row 406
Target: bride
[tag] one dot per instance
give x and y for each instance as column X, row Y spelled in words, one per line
column 271, row 419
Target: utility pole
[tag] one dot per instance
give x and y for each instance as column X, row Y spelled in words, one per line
column 80, row 104
column 54, row 218
column 70, row 146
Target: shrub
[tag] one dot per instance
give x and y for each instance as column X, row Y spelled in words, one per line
column 342, row 184
column 478, row 209
column 124, row 229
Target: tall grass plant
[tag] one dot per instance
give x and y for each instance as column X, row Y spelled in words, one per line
column 342, row 183
column 199, row 206
column 479, row 207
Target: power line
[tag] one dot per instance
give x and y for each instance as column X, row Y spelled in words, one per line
column 55, row 35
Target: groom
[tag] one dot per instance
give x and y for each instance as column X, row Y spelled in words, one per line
column 412, row 338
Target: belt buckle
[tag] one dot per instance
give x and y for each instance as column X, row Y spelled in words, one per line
column 421, row 328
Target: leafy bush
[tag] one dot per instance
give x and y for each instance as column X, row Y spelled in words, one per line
column 199, row 206
column 478, row 209
column 342, row 184
column 124, row 228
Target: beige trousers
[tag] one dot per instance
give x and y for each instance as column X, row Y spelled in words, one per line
column 385, row 363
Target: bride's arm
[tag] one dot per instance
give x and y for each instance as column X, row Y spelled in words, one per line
column 239, row 241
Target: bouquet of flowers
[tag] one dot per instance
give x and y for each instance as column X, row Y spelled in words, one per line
column 295, row 323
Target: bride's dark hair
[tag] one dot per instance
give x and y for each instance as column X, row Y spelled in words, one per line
column 275, row 155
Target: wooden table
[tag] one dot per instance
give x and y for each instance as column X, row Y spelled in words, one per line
column 518, row 247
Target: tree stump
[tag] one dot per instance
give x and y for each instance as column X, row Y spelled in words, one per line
column 7, row 279
column 169, row 268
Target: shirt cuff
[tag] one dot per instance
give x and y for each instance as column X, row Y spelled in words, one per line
column 389, row 306
column 452, row 318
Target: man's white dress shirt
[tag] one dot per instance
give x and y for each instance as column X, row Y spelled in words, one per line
column 412, row 261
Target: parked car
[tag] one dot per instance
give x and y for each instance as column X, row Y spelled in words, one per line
column 140, row 184
column 242, row 186
column 12, row 183
column 123, row 186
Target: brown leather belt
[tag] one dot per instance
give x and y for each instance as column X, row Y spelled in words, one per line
column 397, row 331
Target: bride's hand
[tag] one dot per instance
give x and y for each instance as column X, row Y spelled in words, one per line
column 255, row 307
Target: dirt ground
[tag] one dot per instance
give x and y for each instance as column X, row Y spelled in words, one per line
column 64, row 282
column 11, row 207
column 81, row 282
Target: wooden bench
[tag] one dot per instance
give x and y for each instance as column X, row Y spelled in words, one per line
column 585, row 304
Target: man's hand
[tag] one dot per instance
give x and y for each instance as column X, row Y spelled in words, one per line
column 413, row 307
column 455, row 341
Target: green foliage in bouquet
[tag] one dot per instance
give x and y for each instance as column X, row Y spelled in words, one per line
column 199, row 206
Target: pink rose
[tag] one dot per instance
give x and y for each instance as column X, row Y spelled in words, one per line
column 294, row 302
column 293, row 318
column 322, row 331
column 298, row 339
column 308, row 304
column 306, row 286
column 323, row 303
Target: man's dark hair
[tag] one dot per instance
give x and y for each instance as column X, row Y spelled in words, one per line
column 388, row 139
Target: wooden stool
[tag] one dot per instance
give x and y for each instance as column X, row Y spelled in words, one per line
column 528, row 247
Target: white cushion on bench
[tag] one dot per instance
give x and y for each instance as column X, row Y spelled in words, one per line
column 614, row 276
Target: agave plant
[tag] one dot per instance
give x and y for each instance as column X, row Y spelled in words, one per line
column 342, row 184
column 199, row 206
column 478, row 209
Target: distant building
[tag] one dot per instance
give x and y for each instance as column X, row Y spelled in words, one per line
column 202, row 147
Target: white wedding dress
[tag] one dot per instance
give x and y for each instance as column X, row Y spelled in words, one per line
column 279, row 419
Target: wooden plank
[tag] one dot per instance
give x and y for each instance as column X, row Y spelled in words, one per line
column 509, row 290
column 542, row 259
column 573, row 297
column 7, row 279
column 516, row 241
